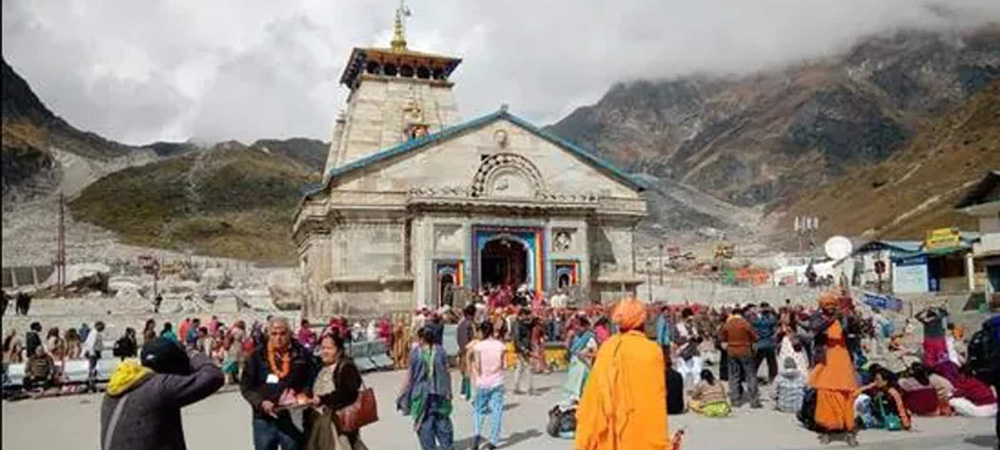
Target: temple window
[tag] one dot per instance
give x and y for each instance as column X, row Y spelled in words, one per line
column 406, row 71
column 389, row 70
column 423, row 73
column 373, row 68
column 438, row 74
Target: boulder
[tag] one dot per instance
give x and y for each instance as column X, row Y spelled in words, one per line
column 85, row 277
column 285, row 289
column 215, row 278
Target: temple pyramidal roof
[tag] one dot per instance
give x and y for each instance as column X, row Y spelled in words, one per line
column 412, row 145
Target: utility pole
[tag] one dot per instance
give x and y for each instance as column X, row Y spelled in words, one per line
column 61, row 246
column 649, row 280
column 661, row 263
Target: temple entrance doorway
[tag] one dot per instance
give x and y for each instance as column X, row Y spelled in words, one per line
column 504, row 262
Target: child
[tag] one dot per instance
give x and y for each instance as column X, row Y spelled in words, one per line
column 709, row 397
column 790, row 389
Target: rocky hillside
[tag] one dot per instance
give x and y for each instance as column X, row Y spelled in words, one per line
column 753, row 140
column 34, row 137
column 230, row 200
column 916, row 188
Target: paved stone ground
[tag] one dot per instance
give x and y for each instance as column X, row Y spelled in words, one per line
column 223, row 421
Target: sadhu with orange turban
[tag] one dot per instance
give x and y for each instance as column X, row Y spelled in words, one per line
column 833, row 377
column 624, row 402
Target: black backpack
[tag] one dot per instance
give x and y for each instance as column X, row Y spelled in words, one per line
column 983, row 353
column 562, row 422
column 121, row 348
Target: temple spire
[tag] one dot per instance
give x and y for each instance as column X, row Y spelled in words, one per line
column 399, row 30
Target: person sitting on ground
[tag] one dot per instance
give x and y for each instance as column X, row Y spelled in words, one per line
column 40, row 370
column 885, row 401
column 142, row 405
column 919, row 395
column 12, row 348
column 972, row 397
column 790, row 388
column 709, row 397
column 675, row 386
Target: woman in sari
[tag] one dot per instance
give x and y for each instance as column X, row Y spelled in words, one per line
column 833, row 376
column 582, row 348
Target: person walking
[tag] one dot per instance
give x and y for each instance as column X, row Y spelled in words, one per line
column 624, row 404
column 275, row 371
column 765, row 323
column 336, row 386
column 426, row 393
column 92, row 349
column 738, row 338
column 522, row 346
column 141, row 409
column 833, row 377
column 488, row 368
column 463, row 335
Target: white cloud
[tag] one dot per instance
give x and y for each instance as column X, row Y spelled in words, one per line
column 246, row 69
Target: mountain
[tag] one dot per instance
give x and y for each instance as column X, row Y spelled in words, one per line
column 916, row 188
column 310, row 152
column 754, row 140
column 34, row 139
column 228, row 200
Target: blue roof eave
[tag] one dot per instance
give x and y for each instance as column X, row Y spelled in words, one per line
column 448, row 132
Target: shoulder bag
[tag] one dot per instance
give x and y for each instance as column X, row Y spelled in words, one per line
column 364, row 411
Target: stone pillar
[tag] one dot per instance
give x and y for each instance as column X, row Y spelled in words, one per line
column 970, row 270
column 13, row 278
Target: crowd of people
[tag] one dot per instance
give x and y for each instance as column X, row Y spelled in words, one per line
column 838, row 367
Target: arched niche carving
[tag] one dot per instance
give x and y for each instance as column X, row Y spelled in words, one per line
column 507, row 175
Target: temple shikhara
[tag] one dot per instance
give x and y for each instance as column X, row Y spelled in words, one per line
column 417, row 205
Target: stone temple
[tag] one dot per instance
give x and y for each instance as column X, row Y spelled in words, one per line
column 417, row 205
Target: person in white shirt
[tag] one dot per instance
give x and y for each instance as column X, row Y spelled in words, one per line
column 92, row 349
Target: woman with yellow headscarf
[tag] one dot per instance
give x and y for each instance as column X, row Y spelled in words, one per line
column 624, row 402
column 833, row 377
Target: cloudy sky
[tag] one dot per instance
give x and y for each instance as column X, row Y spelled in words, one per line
column 147, row 70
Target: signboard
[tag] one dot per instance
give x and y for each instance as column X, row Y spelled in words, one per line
column 943, row 238
column 910, row 275
column 882, row 301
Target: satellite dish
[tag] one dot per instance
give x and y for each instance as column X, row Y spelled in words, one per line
column 838, row 247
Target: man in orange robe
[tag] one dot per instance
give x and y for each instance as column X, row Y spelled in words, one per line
column 624, row 402
column 833, row 377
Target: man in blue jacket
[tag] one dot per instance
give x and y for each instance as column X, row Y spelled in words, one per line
column 765, row 323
